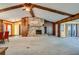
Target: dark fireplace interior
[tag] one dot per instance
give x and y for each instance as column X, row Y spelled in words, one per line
column 38, row 31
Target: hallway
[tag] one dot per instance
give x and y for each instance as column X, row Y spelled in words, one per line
column 42, row 45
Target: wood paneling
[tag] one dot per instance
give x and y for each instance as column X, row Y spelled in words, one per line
column 58, row 30
column 54, row 29
column 1, row 25
column 25, row 26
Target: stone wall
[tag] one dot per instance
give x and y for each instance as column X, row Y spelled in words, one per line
column 35, row 24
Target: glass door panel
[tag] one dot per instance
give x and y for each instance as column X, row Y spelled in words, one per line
column 77, row 30
column 68, row 30
column 73, row 30
column 9, row 29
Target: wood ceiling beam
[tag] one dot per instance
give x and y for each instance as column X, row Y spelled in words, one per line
column 11, row 8
column 52, row 10
column 37, row 6
column 71, row 18
column 32, row 13
column 14, row 7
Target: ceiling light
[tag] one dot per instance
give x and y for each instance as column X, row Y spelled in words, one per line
column 27, row 7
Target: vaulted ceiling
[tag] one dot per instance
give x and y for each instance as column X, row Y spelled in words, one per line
column 17, row 14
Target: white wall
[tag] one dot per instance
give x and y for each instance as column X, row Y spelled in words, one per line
column 17, row 28
column 63, row 33
column 49, row 27
column 56, row 29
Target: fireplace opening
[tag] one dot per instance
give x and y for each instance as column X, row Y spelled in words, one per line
column 38, row 31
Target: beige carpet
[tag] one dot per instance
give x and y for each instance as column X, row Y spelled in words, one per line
column 42, row 45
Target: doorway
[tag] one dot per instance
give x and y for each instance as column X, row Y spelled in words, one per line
column 8, row 27
column 45, row 30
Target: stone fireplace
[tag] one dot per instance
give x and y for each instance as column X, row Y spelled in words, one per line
column 33, row 31
column 36, row 26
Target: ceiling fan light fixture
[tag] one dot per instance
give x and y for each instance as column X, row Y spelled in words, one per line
column 27, row 7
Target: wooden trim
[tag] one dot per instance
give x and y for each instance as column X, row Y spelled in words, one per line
column 11, row 21
column 24, row 25
column 17, row 21
column 7, row 21
column 47, row 21
column 54, row 29
column 71, row 18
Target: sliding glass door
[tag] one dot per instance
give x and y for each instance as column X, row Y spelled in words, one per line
column 71, row 30
column 74, row 30
column 77, row 30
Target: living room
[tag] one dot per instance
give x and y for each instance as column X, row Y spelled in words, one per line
column 41, row 29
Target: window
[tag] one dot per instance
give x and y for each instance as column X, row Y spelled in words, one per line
column 62, row 27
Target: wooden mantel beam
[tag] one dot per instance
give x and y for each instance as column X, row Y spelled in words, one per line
column 71, row 18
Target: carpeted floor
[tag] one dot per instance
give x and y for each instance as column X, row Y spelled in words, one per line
column 42, row 45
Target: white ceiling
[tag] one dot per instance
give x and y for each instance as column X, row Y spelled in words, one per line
column 48, row 15
column 4, row 5
column 71, row 8
column 17, row 14
column 14, row 15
